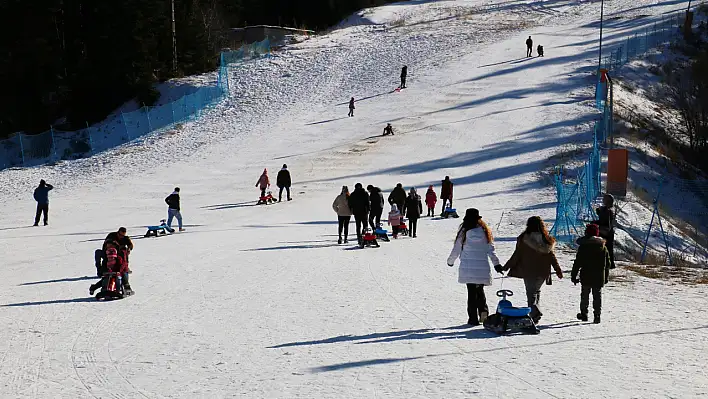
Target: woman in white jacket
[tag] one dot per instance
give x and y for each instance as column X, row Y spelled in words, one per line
column 474, row 245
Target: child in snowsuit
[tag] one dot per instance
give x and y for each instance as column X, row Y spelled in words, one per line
column 351, row 107
column 263, row 182
column 539, row 50
column 430, row 200
column 593, row 263
column 394, row 219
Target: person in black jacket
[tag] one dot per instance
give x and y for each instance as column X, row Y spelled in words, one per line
column 283, row 181
column 529, row 47
column 376, row 206
column 404, row 75
column 41, row 195
column 351, row 107
column 359, row 205
column 173, row 209
column 398, row 197
column 606, row 223
column 593, row 263
column 413, row 209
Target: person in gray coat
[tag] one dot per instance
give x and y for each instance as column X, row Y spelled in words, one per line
column 41, row 195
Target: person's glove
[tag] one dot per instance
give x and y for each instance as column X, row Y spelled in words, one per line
column 451, row 265
column 559, row 273
column 574, row 280
column 499, row 269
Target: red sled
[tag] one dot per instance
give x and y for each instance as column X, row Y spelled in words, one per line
column 368, row 239
column 267, row 199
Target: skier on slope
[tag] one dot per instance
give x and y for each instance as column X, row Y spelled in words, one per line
column 351, row 107
column 263, row 182
column 284, row 181
column 359, row 205
column 404, row 75
column 529, row 47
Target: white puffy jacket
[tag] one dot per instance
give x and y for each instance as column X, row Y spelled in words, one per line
column 474, row 257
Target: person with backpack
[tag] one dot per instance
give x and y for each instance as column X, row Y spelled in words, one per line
column 606, row 223
column 430, row 200
column 529, row 47
column 376, row 206
column 446, row 192
column 474, row 246
column 41, row 195
column 263, row 182
column 532, row 261
column 413, row 209
column 173, row 209
column 359, row 205
column 283, row 181
column 344, row 213
column 398, row 197
column 351, row 107
column 592, row 261
column 404, row 75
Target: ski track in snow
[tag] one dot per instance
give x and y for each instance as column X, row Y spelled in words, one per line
column 261, row 302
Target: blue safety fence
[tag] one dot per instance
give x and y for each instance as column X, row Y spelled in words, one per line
column 22, row 149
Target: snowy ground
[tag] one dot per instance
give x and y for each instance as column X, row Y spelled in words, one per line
column 261, row 302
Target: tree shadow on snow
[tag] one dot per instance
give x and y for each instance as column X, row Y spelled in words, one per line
column 52, row 302
column 62, row 280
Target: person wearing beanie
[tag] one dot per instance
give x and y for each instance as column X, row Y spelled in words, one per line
column 606, row 222
column 173, row 209
column 263, row 182
column 359, row 204
column 474, row 245
column 593, row 263
column 41, row 195
column 376, row 206
column 283, row 181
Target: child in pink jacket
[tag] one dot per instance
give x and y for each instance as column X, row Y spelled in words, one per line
column 263, row 182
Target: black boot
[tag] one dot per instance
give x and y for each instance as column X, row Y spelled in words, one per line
column 596, row 320
column 339, row 241
column 582, row 316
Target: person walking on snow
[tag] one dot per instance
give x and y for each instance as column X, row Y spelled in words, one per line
column 376, row 204
column 41, row 195
column 359, row 204
column 263, row 182
column 344, row 213
column 398, row 197
column 351, row 107
column 283, row 181
column 430, row 200
column 404, row 75
column 529, row 47
column 532, row 261
column 446, row 192
column 173, row 210
column 474, row 245
column 413, row 208
column 394, row 219
column 593, row 263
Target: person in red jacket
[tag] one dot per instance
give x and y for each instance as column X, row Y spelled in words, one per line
column 446, row 192
column 263, row 182
column 430, row 200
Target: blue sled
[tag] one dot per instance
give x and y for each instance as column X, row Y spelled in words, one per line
column 162, row 229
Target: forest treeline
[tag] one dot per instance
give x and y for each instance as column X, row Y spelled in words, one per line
column 68, row 62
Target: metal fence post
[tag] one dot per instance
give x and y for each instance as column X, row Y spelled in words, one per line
column 54, row 146
column 22, row 148
column 88, row 130
column 172, row 108
column 147, row 112
column 127, row 131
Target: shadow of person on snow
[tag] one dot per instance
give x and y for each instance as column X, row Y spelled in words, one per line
column 61, row 280
column 52, row 302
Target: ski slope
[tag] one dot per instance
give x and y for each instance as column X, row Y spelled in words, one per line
column 261, row 302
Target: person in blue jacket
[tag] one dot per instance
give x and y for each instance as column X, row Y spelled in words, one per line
column 41, row 195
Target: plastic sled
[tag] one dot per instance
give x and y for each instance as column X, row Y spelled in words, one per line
column 267, row 199
column 382, row 234
column 403, row 229
column 509, row 319
column 112, row 287
column 158, row 230
column 368, row 239
column 450, row 213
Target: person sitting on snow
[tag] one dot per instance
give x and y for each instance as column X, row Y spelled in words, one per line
column 388, row 130
column 539, row 50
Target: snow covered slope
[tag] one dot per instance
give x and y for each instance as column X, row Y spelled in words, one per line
column 261, row 302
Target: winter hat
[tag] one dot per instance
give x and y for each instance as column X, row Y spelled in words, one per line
column 394, row 208
column 608, row 200
column 285, row 166
column 358, row 186
column 176, row 189
column 447, row 177
column 472, row 215
column 399, row 185
column 369, row 187
column 265, row 171
column 413, row 192
column 592, row 230
column 345, row 190
column 430, row 187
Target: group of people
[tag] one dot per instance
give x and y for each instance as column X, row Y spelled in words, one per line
column 529, row 48
column 283, row 181
column 367, row 207
column 533, row 259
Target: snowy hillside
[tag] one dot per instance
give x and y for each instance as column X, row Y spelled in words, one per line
column 261, row 302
